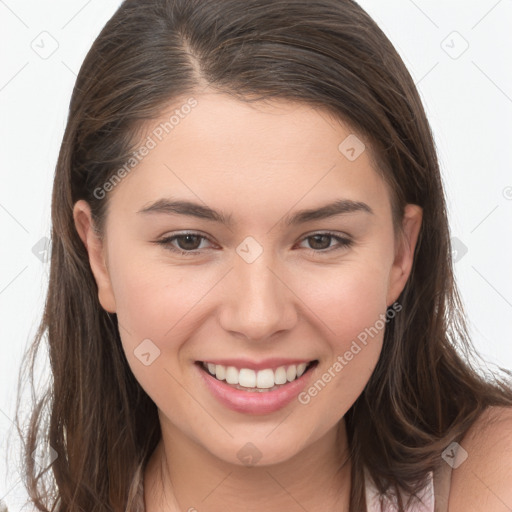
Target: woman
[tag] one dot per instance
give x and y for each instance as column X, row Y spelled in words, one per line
column 251, row 300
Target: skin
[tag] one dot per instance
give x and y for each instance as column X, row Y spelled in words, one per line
column 482, row 482
column 257, row 163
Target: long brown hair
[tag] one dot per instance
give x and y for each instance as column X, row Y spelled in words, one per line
column 426, row 390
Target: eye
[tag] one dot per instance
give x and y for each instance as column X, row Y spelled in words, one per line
column 184, row 243
column 192, row 243
column 321, row 242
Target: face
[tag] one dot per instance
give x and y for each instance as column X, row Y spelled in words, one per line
column 250, row 238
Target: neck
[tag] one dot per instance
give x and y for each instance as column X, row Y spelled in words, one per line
column 182, row 476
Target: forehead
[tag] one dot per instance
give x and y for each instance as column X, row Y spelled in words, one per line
column 240, row 153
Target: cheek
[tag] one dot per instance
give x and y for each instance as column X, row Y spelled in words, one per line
column 151, row 296
column 159, row 303
column 352, row 307
column 152, row 305
column 347, row 299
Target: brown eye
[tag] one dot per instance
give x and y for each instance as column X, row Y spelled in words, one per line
column 320, row 242
column 185, row 243
column 188, row 242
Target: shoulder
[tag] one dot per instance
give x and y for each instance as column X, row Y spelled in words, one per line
column 483, row 481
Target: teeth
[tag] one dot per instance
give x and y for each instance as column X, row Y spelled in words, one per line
column 280, row 375
column 247, row 378
column 301, row 368
column 261, row 379
column 264, row 380
column 219, row 371
column 232, row 375
column 291, row 373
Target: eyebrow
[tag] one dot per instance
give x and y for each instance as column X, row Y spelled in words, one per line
column 176, row 207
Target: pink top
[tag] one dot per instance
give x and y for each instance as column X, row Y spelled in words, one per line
column 373, row 499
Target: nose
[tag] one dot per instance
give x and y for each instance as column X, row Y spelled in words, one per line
column 258, row 301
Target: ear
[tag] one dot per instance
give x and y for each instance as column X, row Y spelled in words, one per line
column 96, row 251
column 404, row 253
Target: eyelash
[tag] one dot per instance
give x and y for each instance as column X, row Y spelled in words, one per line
column 343, row 242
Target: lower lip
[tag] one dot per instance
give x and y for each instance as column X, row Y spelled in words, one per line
column 254, row 402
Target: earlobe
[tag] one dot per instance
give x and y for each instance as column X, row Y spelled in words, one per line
column 404, row 254
column 96, row 251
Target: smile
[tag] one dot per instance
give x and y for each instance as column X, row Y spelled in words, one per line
column 259, row 388
column 263, row 380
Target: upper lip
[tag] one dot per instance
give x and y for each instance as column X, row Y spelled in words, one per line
column 273, row 363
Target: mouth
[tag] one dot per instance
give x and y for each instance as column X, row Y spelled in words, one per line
column 262, row 380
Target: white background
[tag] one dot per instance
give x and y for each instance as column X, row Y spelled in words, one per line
column 468, row 98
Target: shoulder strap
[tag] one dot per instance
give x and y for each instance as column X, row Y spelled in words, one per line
column 442, row 481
